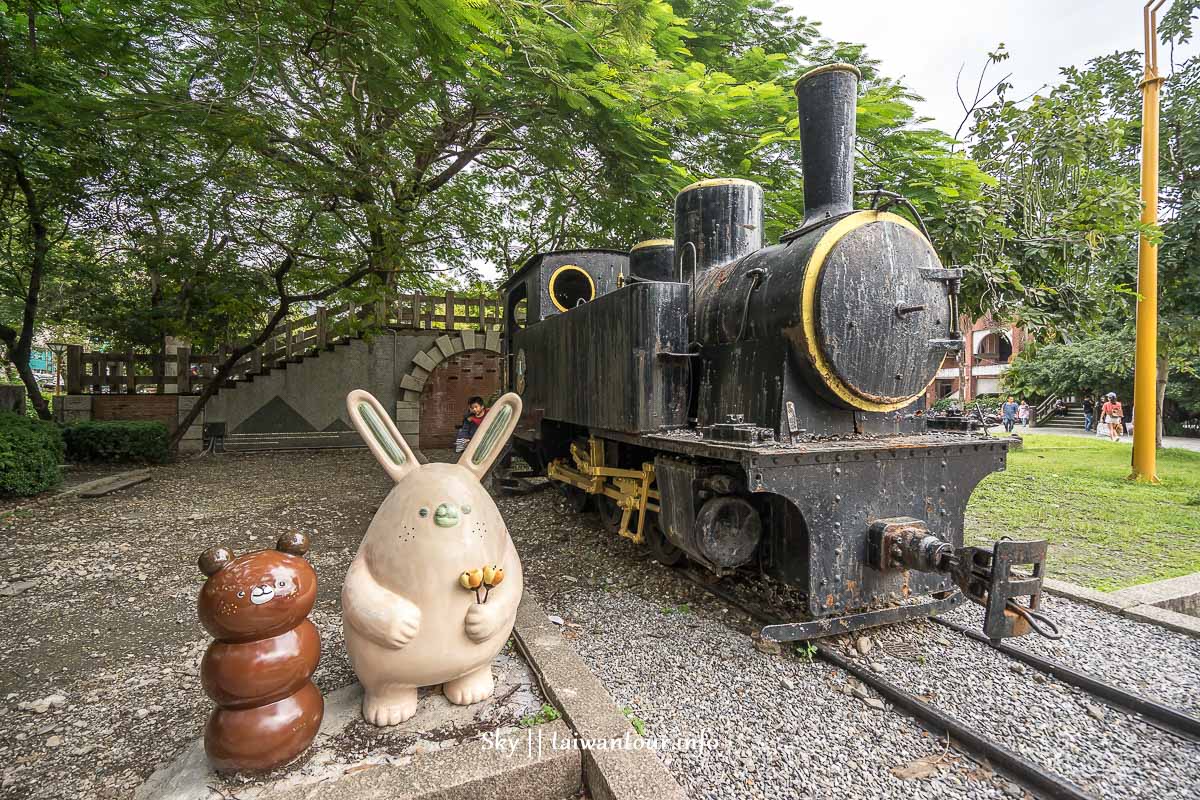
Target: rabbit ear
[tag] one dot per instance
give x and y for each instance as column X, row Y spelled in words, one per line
column 488, row 442
column 377, row 430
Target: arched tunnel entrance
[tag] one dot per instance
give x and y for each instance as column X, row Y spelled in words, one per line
column 447, row 389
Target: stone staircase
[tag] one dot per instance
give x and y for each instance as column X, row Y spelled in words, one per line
column 1069, row 418
column 298, row 402
column 283, row 439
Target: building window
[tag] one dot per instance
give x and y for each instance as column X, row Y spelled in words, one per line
column 994, row 347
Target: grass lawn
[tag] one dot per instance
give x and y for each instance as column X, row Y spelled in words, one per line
column 1104, row 531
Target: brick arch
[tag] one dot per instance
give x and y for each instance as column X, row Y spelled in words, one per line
column 413, row 383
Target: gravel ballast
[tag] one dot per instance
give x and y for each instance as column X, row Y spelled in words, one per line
column 776, row 724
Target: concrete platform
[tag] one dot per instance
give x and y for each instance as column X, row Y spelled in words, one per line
column 445, row 752
column 1173, row 603
column 499, row 748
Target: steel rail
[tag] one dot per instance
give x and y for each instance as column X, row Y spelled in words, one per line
column 1015, row 766
column 1171, row 720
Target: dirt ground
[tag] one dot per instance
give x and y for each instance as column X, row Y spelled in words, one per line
column 98, row 672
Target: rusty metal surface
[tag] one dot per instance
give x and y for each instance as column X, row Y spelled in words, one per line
column 601, row 365
column 716, row 222
column 653, row 262
column 832, row 626
column 532, row 280
column 868, row 279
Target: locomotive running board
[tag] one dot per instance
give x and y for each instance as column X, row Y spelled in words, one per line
column 801, row 631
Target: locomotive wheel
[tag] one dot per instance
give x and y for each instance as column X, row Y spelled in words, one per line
column 577, row 499
column 610, row 513
column 660, row 546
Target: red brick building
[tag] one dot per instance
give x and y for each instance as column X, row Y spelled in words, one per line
column 987, row 353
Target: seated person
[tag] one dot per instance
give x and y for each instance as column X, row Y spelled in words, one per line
column 475, row 414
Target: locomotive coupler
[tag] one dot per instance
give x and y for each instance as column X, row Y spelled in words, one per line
column 984, row 575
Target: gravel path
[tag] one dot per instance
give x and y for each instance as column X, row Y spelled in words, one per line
column 779, row 725
column 98, row 672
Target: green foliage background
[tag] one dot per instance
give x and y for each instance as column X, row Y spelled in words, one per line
column 30, row 454
column 192, row 168
column 115, row 442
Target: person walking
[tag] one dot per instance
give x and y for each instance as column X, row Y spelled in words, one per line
column 1114, row 416
column 1023, row 414
column 1089, row 411
column 1009, row 412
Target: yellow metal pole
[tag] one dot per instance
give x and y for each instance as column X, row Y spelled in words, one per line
column 1145, row 365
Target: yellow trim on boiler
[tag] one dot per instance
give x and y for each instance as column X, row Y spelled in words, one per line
column 653, row 243
column 718, row 182
column 554, row 276
column 808, row 309
column 837, row 67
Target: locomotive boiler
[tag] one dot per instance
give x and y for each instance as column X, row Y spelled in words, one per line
column 753, row 406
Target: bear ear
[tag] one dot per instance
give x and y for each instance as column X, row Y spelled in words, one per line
column 488, row 442
column 293, row 542
column 377, row 430
column 213, row 559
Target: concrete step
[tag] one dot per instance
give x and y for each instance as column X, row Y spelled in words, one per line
column 250, row 442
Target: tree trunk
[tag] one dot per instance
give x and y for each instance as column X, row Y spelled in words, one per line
column 1160, row 391
column 286, row 301
column 20, row 343
column 222, row 374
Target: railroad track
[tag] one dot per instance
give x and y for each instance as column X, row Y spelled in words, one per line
column 1032, row 776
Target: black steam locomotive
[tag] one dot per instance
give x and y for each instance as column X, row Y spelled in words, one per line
column 748, row 405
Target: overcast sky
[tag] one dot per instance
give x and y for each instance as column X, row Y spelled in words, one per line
column 924, row 42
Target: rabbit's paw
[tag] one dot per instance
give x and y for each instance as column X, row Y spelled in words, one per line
column 470, row 688
column 390, row 707
column 484, row 620
column 403, row 626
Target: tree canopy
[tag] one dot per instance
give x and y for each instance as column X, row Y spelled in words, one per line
column 206, row 170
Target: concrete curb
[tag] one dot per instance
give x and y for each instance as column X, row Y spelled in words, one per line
column 471, row 771
column 625, row 771
column 1159, row 603
column 113, row 483
column 527, row 762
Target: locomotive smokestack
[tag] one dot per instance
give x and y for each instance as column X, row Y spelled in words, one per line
column 827, row 98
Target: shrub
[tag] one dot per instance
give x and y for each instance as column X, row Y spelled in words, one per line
column 990, row 403
column 144, row 442
column 30, row 453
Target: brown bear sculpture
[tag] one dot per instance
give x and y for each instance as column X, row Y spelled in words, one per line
column 259, row 669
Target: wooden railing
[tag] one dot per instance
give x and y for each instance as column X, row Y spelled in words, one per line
column 95, row 372
column 1044, row 411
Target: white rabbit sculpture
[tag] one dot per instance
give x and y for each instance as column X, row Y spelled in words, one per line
column 407, row 619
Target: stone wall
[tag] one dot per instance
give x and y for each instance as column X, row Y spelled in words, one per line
column 412, row 384
column 444, row 398
column 310, row 396
column 169, row 409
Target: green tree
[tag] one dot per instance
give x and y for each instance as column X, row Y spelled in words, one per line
column 60, row 72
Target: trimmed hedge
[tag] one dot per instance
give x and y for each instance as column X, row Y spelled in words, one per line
column 30, row 453
column 143, row 442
